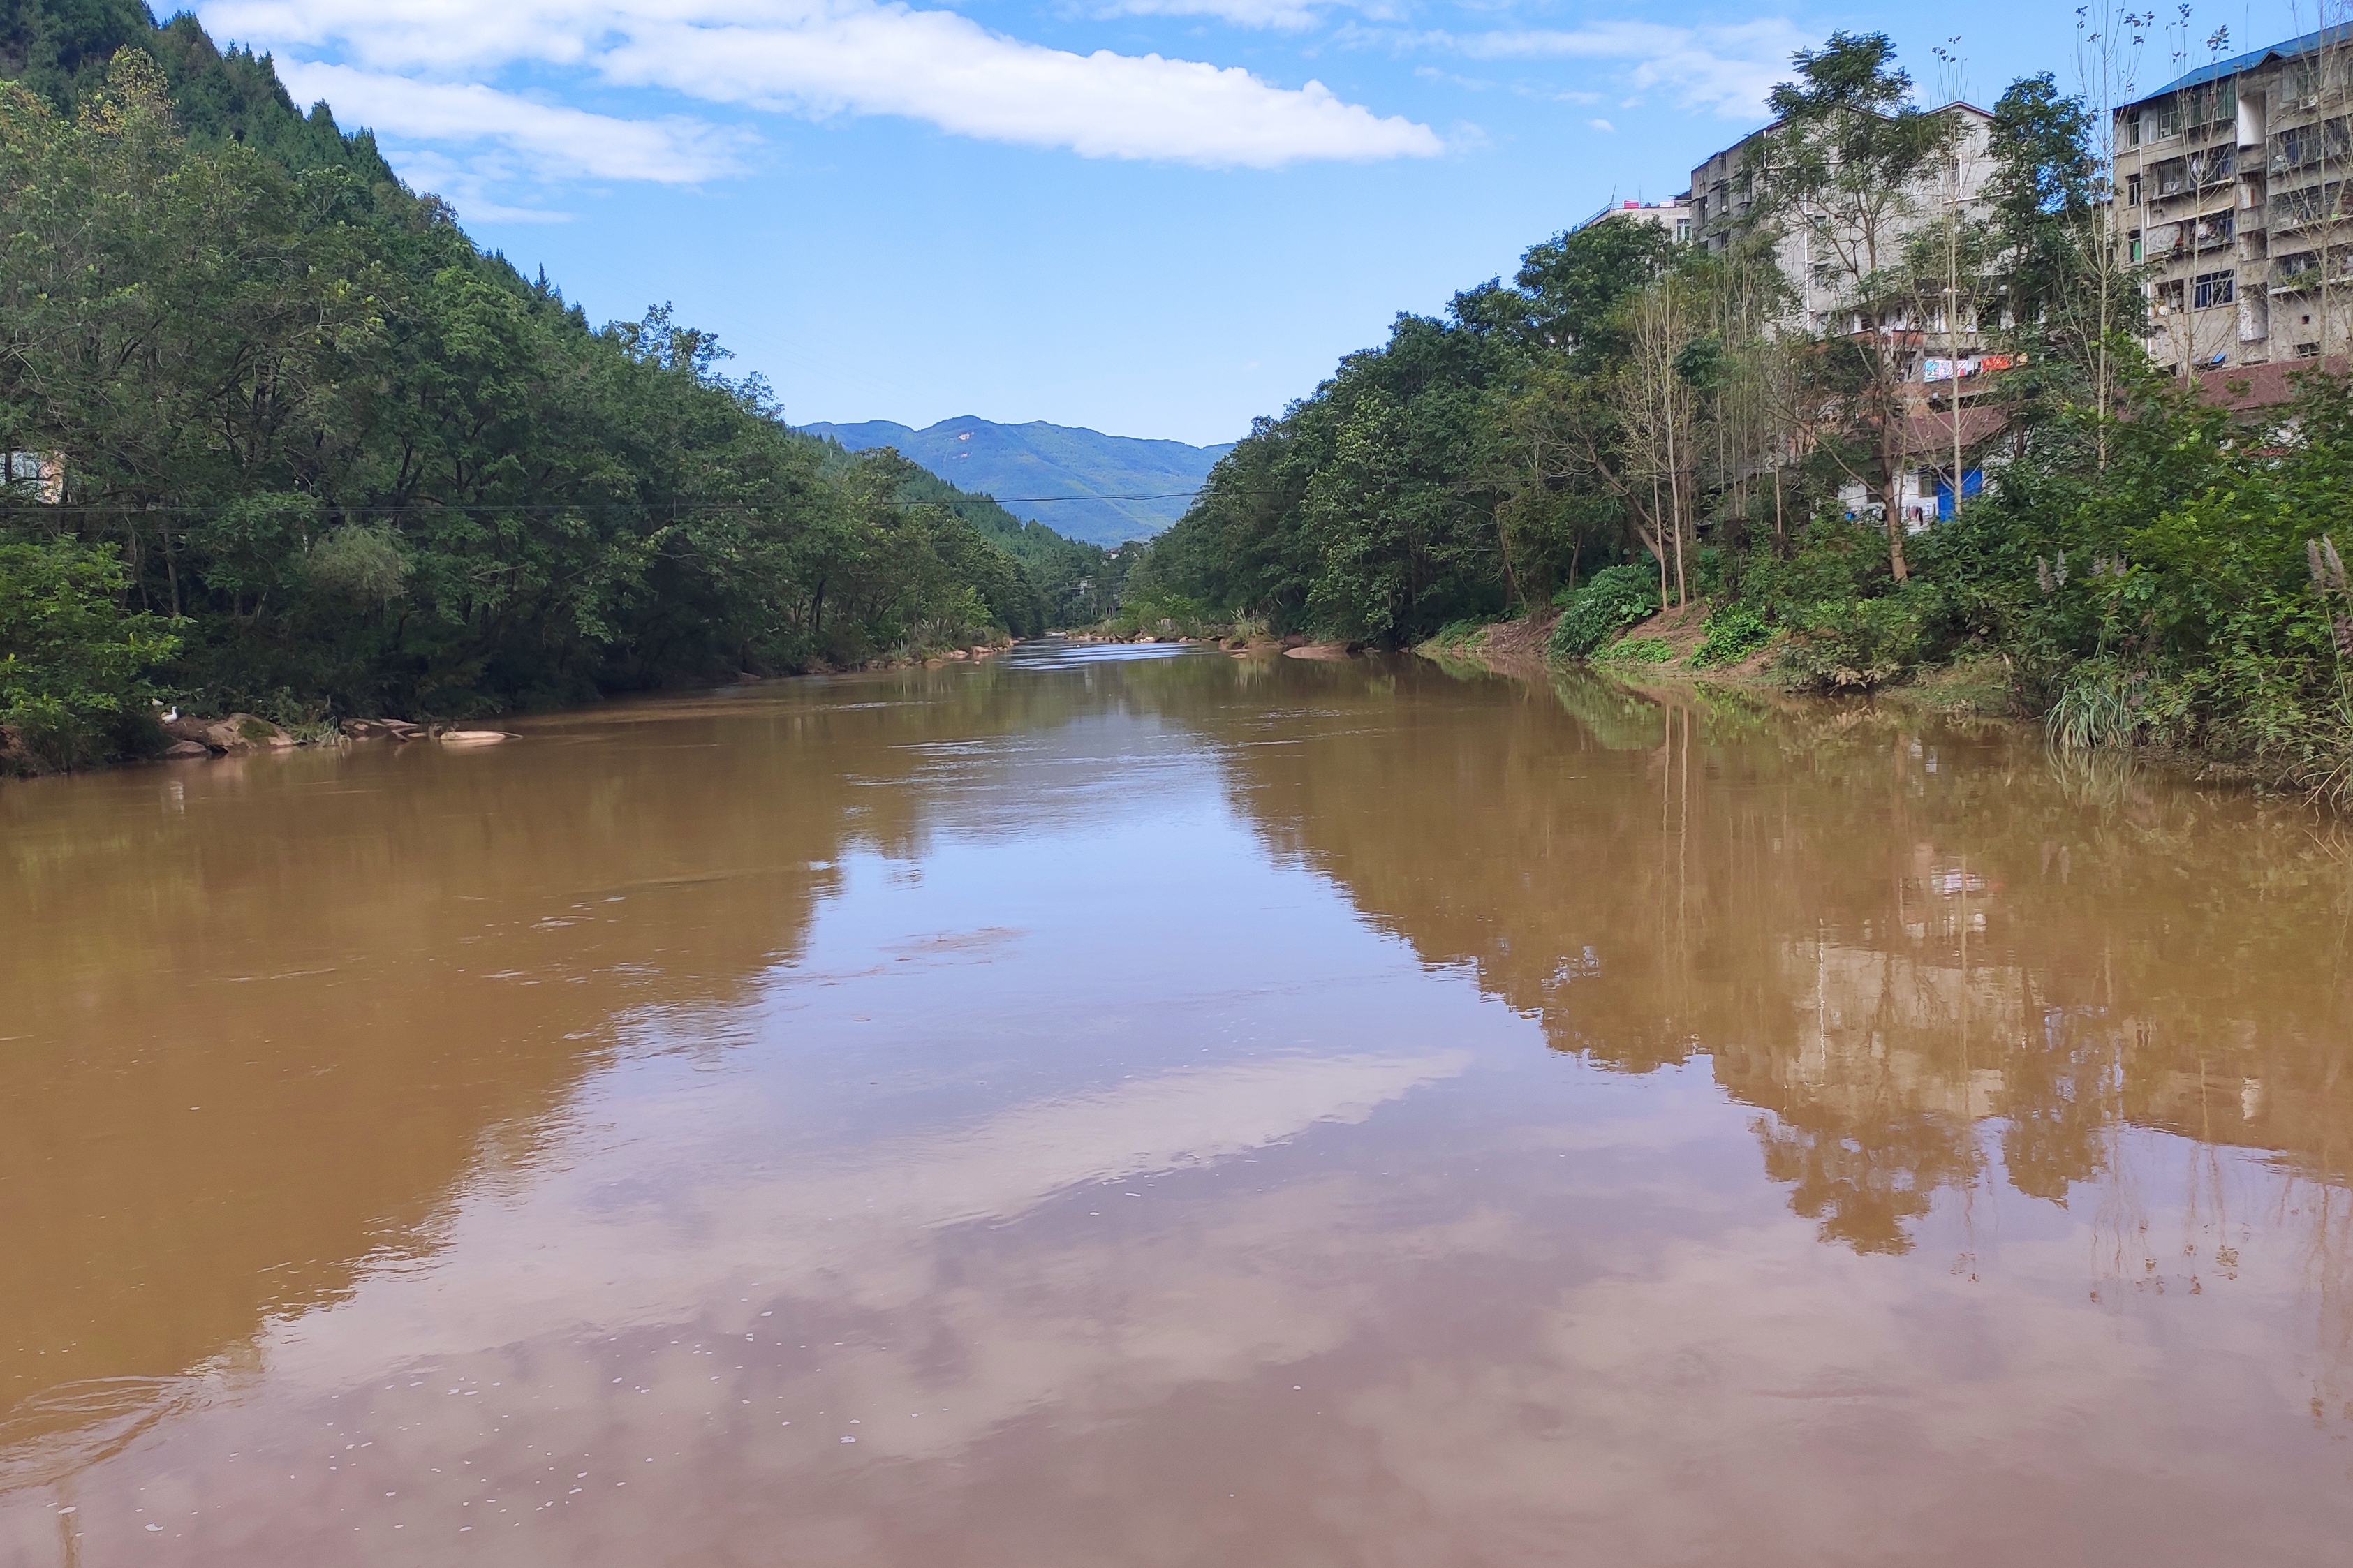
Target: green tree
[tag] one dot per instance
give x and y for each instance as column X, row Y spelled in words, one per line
column 1842, row 170
column 74, row 665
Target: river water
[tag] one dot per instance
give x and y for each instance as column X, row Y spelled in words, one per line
column 1098, row 1108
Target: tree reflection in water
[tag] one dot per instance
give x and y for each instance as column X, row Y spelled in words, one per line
column 1930, row 953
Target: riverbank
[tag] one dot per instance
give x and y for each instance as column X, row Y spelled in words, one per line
column 170, row 735
column 1661, row 655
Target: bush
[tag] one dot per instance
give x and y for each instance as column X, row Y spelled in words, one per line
column 1836, row 560
column 1613, row 597
column 1861, row 643
column 73, row 662
column 1637, row 650
column 1734, row 632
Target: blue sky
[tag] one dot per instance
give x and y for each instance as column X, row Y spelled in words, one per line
column 1155, row 217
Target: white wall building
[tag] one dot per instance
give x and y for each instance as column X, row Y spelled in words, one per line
column 1674, row 215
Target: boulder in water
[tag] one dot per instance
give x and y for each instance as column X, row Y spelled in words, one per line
column 244, row 732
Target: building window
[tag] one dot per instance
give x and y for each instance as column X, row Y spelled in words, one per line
column 2214, row 165
column 2304, row 80
column 2215, row 289
column 2132, row 190
column 2314, row 204
column 2307, row 351
column 2210, row 104
column 2302, row 146
column 1682, row 231
column 2168, row 296
column 2134, row 245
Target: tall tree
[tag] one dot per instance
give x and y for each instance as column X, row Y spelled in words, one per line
column 1842, row 170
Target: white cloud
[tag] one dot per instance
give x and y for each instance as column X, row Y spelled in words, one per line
column 431, row 35
column 1728, row 69
column 939, row 66
column 860, row 57
column 467, row 185
column 1603, row 126
column 1287, row 15
column 560, row 140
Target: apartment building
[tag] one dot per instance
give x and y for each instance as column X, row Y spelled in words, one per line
column 2231, row 182
column 1673, row 215
column 1725, row 190
column 1947, row 366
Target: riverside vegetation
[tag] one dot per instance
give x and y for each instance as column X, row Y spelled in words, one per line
column 282, row 439
column 1630, row 425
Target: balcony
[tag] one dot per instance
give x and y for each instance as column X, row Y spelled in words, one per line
column 2306, row 270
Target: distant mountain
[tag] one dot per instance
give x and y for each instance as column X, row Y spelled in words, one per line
column 1018, row 463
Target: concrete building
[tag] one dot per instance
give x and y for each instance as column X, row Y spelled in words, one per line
column 2232, row 184
column 1947, row 360
column 1724, row 191
column 1673, row 215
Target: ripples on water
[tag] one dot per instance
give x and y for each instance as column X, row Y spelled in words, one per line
column 1110, row 1107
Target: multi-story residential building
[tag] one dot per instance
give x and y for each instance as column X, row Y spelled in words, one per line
column 1725, row 190
column 2232, row 189
column 1938, row 344
column 1673, row 215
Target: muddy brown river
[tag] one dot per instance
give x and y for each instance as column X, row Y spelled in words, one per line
column 1106, row 1108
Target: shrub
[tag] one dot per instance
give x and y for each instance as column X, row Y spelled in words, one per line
column 1836, row 560
column 1861, row 643
column 1612, row 598
column 1734, row 632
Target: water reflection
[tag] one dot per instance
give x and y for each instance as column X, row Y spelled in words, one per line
column 1883, row 935
column 1095, row 1108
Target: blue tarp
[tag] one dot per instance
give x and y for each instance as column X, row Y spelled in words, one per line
column 1972, row 483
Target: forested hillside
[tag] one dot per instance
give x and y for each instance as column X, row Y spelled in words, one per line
column 1105, row 489
column 1077, row 584
column 1631, row 424
column 281, row 438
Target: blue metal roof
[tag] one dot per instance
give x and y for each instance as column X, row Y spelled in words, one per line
column 2218, row 70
